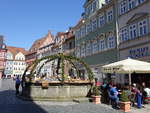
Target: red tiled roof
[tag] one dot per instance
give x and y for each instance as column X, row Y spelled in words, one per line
column 16, row 50
column 37, row 44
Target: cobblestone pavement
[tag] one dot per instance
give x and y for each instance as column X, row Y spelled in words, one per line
column 9, row 103
column 144, row 109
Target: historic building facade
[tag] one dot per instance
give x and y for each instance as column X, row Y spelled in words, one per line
column 69, row 49
column 15, row 61
column 46, row 50
column 61, row 45
column 32, row 53
column 63, row 42
column 134, row 30
column 9, row 64
column 3, row 51
column 59, row 39
column 69, row 43
column 95, row 34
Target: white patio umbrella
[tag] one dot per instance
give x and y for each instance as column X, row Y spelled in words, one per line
column 127, row 66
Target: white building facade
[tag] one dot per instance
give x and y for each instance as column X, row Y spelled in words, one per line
column 19, row 64
column 15, row 62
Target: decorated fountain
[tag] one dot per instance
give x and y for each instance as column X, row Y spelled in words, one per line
column 61, row 85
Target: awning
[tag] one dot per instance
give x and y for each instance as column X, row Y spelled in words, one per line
column 127, row 66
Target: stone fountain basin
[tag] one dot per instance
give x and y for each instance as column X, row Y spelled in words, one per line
column 58, row 90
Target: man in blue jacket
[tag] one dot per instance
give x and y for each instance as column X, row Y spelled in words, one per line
column 113, row 95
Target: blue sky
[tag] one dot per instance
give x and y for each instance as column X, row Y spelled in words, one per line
column 24, row 21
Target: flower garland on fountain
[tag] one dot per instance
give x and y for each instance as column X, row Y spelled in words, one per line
column 65, row 71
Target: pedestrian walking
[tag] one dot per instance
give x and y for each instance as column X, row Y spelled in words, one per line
column 17, row 85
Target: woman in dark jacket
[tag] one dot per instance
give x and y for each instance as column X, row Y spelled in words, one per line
column 17, row 85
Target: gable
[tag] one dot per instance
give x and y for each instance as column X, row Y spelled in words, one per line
column 20, row 56
column 48, row 40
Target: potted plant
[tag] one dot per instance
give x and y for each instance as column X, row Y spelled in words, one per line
column 124, row 102
column 96, row 95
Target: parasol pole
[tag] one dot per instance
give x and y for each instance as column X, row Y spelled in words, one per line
column 129, row 78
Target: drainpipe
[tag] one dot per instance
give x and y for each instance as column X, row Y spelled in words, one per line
column 117, row 28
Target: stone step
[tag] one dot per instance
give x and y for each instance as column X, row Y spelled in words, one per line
column 77, row 100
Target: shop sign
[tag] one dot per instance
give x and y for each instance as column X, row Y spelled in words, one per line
column 139, row 52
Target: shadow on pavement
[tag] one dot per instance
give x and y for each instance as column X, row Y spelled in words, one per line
column 9, row 103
